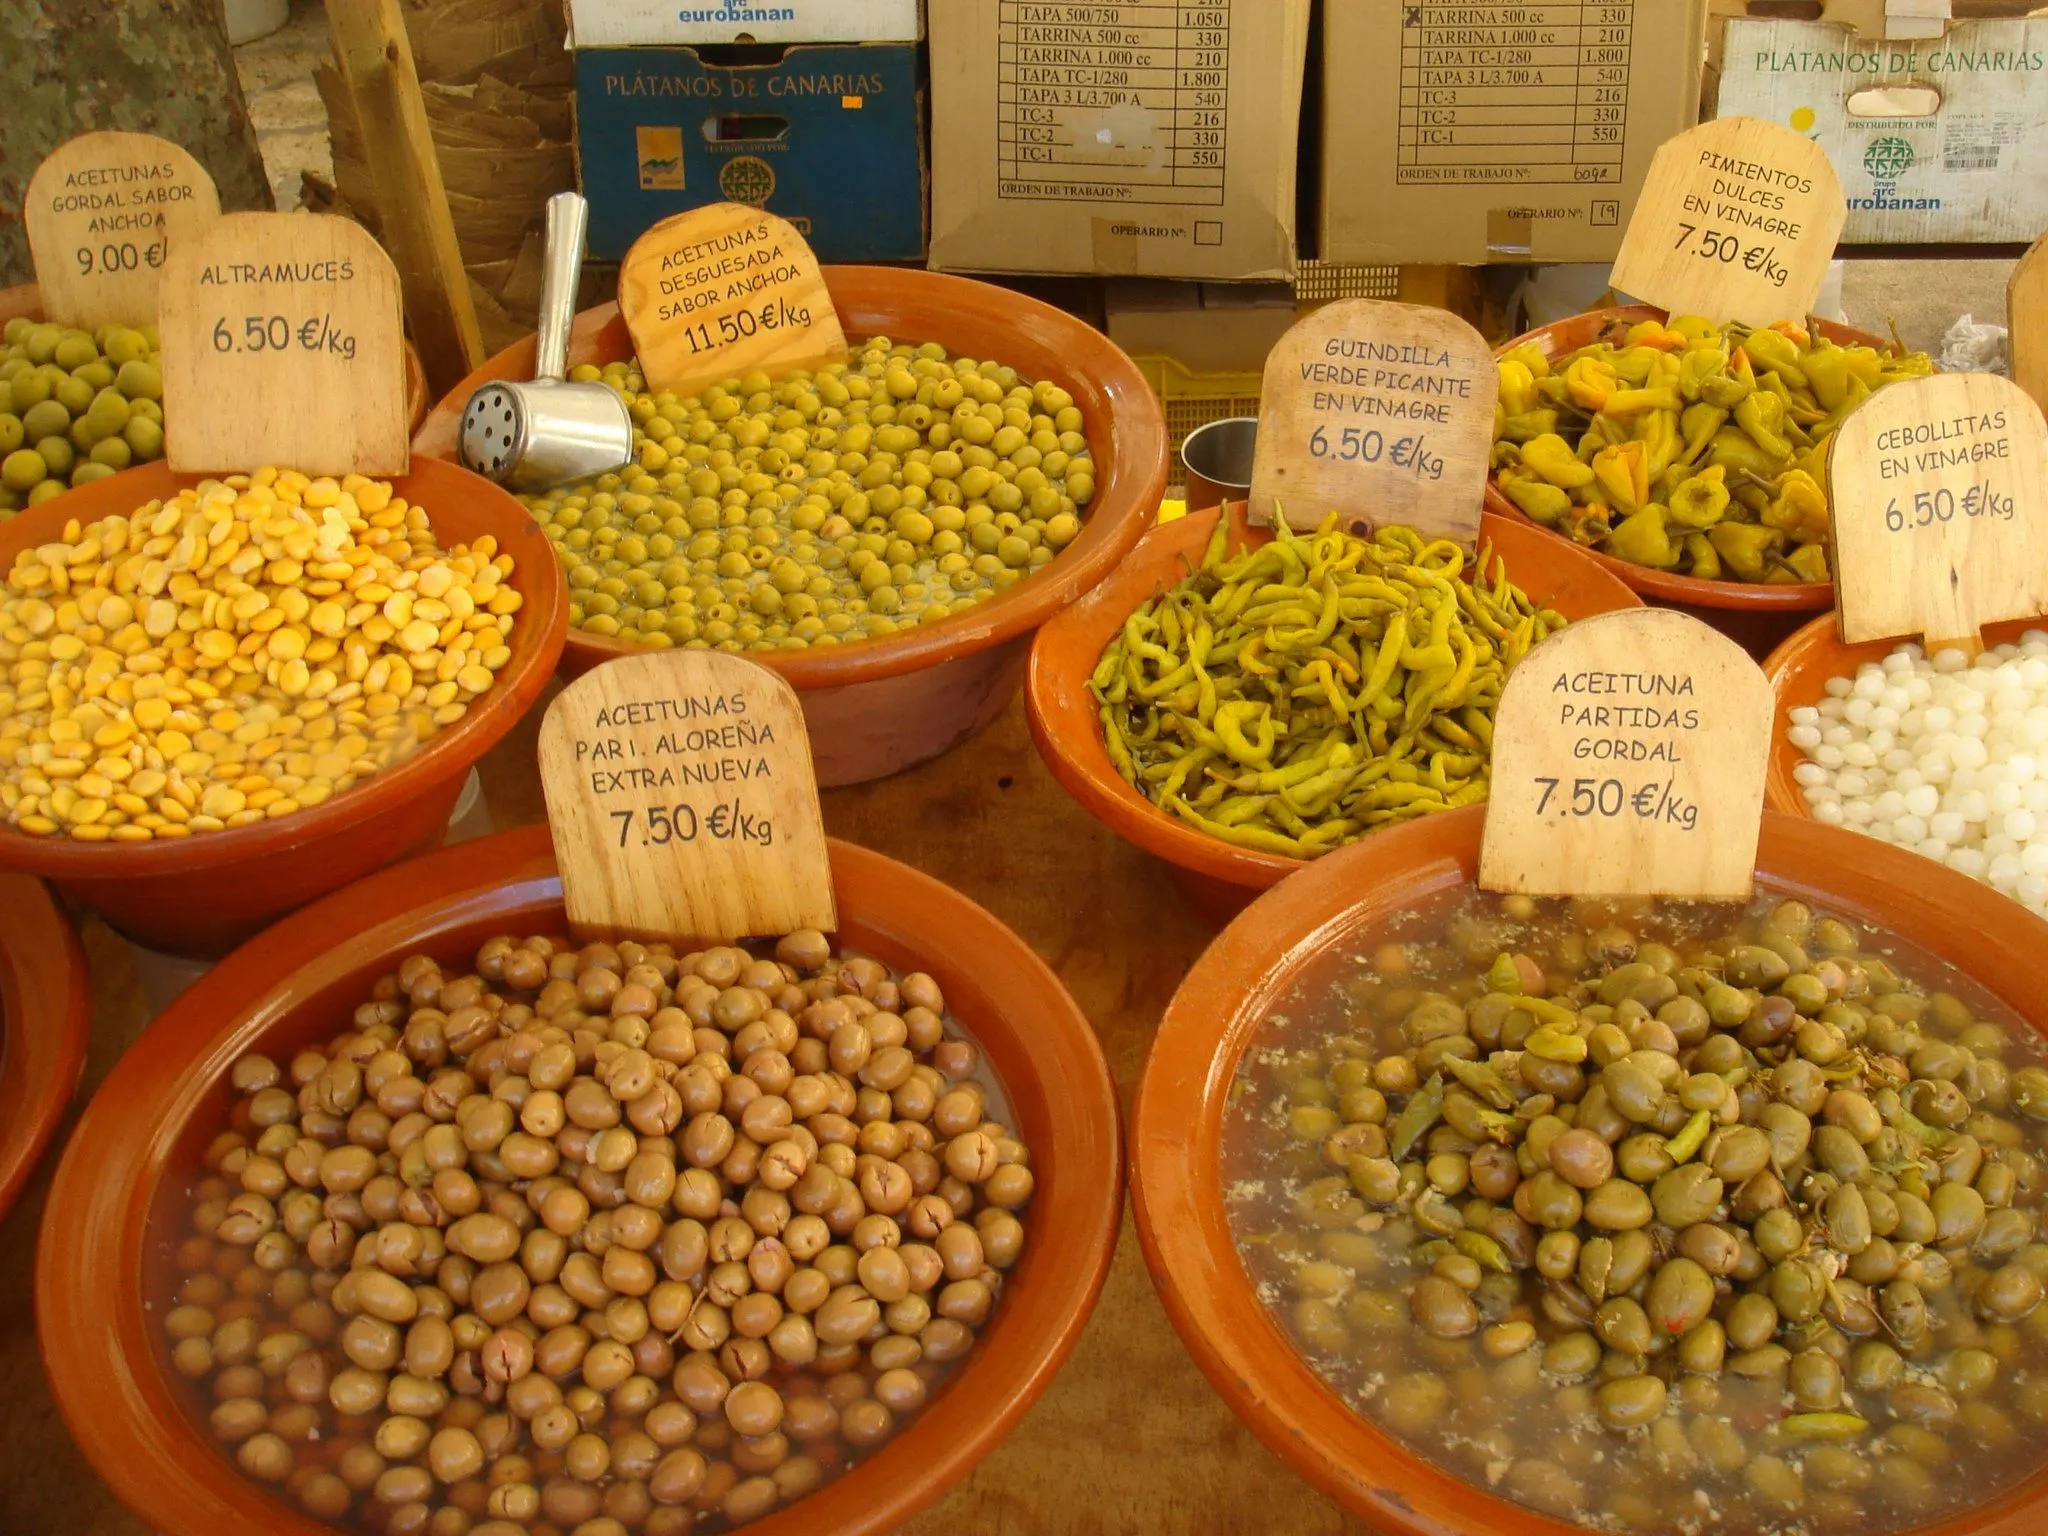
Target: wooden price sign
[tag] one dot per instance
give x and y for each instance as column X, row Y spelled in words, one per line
column 680, row 792
column 1383, row 411
column 1938, row 495
column 104, row 212
column 725, row 290
column 2026, row 304
column 1628, row 760
column 283, row 341
column 1737, row 221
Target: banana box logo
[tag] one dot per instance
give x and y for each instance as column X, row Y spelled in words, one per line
column 660, row 152
column 747, row 179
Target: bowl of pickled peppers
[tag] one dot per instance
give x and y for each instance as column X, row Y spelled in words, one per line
column 1689, row 456
column 1239, row 700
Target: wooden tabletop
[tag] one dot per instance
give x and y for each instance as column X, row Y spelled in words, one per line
column 1129, row 1440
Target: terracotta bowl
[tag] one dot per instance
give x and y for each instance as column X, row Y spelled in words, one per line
column 45, row 1013
column 116, row 1206
column 25, row 301
column 203, row 895
column 1799, row 670
column 1176, row 1123
column 1755, row 615
column 1218, row 878
column 885, row 705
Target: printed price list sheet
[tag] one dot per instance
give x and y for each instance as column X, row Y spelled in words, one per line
column 1112, row 101
column 1521, row 93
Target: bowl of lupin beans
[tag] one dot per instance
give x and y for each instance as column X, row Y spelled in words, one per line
column 1495, row 1213
column 45, row 1013
column 1942, row 753
column 1690, row 458
column 886, row 534
column 77, row 405
column 409, row 1219
column 1208, row 704
column 220, row 698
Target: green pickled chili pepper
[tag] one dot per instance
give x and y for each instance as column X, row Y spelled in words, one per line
column 1525, row 425
column 1744, row 547
column 1800, row 509
column 1774, row 352
column 1730, row 388
column 1735, row 450
column 1762, row 416
column 1697, row 366
column 1701, row 500
column 1699, row 423
column 1292, row 696
column 1644, row 538
column 1424, row 1108
column 1540, row 499
column 1551, row 457
column 1657, row 431
column 1633, row 402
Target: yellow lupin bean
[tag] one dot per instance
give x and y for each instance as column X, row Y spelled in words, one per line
column 173, row 671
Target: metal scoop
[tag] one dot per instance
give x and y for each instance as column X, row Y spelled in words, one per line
column 528, row 437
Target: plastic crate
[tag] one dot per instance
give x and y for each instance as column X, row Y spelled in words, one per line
column 1320, row 282
column 1193, row 400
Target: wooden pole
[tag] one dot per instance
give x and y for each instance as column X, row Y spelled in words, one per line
column 412, row 206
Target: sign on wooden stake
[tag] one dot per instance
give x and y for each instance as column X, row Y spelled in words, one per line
column 283, row 344
column 682, row 800
column 1380, row 412
column 1628, row 760
column 2026, row 303
column 104, row 212
column 1938, row 496
column 725, row 290
column 1738, row 220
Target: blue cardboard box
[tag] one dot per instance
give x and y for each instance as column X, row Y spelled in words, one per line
column 828, row 136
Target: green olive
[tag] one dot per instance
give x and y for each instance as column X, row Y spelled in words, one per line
column 1679, row 1298
column 1630, row 1401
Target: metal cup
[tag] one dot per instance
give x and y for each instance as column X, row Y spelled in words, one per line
column 528, row 437
column 1217, row 459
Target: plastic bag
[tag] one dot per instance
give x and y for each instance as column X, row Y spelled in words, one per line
column 1972, row 348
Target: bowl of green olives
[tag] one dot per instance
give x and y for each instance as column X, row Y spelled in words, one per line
column 79, row 406
column 1495, row 1213
column 887, row 534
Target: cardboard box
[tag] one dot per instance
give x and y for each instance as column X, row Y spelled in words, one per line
column 1958, row 157
column 1129, row 139
column 830, row 137
column 665, row 23
column 1481, row 131
column 1206, row 327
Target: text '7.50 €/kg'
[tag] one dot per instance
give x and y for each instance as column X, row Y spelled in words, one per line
column 660, row 825
column 1610, row 797
column 1728, row 249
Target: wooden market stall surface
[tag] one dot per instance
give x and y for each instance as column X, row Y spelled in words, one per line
column 1129, row 1440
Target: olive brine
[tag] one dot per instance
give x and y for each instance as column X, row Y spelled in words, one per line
column 1659, row 1217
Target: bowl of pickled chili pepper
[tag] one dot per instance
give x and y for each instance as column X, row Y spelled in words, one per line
column 1239, row 701
column 1689, row 457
